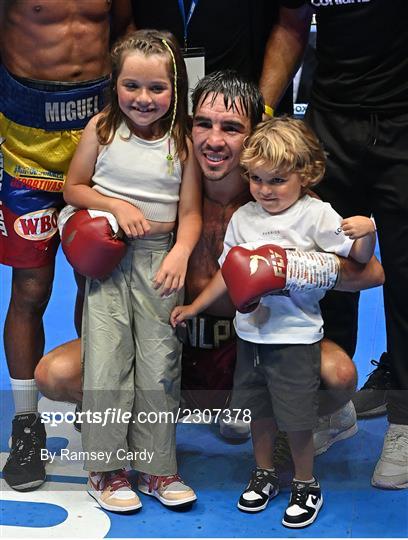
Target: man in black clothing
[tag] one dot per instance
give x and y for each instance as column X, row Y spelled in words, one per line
column 359, row 109
column 234, row 33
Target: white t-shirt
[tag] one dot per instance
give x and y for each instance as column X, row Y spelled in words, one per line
column 308, row 225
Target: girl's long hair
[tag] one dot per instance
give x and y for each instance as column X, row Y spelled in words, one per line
column 149, row 42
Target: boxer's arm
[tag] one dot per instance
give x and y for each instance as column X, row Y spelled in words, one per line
column 354, row 276
column 284, row 52
column 363, row 248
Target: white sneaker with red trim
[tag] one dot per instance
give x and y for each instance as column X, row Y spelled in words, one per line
column 112, row 491
column 170, row 490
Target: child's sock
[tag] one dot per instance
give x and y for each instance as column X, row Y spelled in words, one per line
column 265, row 469
column 311, row 481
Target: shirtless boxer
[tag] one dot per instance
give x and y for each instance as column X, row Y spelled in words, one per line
column 54, row 72
column 209, row 355
column 218, row 135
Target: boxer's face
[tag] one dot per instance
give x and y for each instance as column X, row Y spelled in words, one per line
column 218, row 136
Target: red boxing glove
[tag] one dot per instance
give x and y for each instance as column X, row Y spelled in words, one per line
column 251, row 274
column 90, row 245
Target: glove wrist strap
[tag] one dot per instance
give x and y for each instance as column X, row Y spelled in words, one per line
column 311, row 270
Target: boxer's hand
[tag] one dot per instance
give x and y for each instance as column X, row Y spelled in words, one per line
column 180, row 314
column 357, row 227
column 130, row 219
column 251, row 274
column 172, row 271
column 90, row 245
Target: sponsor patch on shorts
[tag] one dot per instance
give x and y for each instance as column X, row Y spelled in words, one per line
column 38, row 225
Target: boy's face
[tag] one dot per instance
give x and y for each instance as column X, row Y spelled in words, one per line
column 275, row 193
column 218, row 137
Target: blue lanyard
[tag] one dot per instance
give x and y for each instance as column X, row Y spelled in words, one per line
column 186, row 20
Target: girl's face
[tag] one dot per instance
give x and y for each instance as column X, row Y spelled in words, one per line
column 144, row 91
column 275, row 193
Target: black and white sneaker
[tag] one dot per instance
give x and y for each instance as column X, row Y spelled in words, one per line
column 263, row 486
column 304, row 504
column 371, row 399
column 24, row 469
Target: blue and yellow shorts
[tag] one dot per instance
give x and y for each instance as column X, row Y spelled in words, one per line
column 40, row 127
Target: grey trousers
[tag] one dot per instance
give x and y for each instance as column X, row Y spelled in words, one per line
column 131, row 363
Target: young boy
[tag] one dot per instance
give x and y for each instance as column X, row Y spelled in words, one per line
column 278, row 363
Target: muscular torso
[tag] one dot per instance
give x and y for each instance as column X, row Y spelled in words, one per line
column 58, row 40
column 203, row 263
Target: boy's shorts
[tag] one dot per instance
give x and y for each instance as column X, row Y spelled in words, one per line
column 40, row 126
column 279, row 381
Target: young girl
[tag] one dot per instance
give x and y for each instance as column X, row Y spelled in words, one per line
column 277, row 373
column 135, row 161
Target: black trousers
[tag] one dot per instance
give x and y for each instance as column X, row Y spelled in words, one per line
column 367, row 172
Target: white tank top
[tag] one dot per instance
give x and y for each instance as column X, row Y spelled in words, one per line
column 137, row 171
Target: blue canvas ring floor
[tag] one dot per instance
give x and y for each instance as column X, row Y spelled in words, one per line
column 215, row 468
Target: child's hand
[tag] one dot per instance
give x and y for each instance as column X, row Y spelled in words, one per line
column 172, row 272
column 180, row 314
column 130, row 219
column 357, row 226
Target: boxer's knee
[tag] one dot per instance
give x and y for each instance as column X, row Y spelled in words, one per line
column 339, row 378
column 50, row 379
column 337, row 368
column 58, row 374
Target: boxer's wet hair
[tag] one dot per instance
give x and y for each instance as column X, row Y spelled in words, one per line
column 236, row 90
column 284, row 145
column 150, row 42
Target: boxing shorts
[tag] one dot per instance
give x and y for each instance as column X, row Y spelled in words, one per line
column 40, row 126
column 208, row 362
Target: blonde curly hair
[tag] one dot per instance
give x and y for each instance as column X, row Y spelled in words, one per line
column 285, row 145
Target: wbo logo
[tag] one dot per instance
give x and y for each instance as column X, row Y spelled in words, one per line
column 38, row 225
